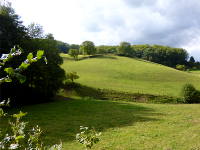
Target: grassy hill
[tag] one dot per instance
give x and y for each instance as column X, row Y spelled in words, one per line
column 129, row 75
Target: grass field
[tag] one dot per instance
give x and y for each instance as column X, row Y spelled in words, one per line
column 196, row 72
column 124, row 125
column 130, row 75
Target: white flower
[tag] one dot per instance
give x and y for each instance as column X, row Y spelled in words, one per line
column 4, row 56
column 13, row 146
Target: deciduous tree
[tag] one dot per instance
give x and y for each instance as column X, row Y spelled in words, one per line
column 88, row 48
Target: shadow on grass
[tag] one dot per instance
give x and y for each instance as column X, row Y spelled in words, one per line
column 105, row 94
column 99, row 56
column 89, row 57
column 61, row 119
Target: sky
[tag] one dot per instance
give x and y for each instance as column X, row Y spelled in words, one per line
column 174, row 23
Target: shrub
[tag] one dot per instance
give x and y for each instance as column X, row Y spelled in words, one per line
column 72, row 76
column 190, row 94
column 74, row 53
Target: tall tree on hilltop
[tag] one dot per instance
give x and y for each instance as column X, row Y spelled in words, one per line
column 88, row 48
column 125, row 49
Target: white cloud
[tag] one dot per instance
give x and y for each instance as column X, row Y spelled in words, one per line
column 166, row 22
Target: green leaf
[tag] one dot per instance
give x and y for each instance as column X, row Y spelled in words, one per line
column 9, row 70
column 24, row 65
column 19, row 115
column 30, row 56
column 7, row 80
column 13, row 50
column 19, row 137
column 1, row 112
column 40, row 53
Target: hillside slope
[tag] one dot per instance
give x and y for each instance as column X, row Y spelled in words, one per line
column 129, row 75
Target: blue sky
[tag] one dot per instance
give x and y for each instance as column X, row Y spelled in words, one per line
column 166, row 22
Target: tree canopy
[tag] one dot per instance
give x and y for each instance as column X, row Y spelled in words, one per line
column 88, row 48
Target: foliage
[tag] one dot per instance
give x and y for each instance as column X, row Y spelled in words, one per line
column 74, row 53
column 161, row 54
column 88, row 137
column 63, row 47
column 72, row 76
column 74, row 46
column 181, row 67
column 88, row 48
column 192, row 63
column 190, row 94
column 192, row 60
column 16, row 73
column 42, row 80
column 125, row 49
column 104, row 49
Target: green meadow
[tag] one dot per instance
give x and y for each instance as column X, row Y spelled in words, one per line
column 129, row 75
column 124, row 125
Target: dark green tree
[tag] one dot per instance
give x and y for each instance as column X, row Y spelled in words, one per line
column 63, row 47
column 44, row 80
column 105, row 49
column 161, row 54
column 74, row 46
column 192, row 60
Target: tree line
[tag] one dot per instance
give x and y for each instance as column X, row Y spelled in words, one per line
column 165, row 55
